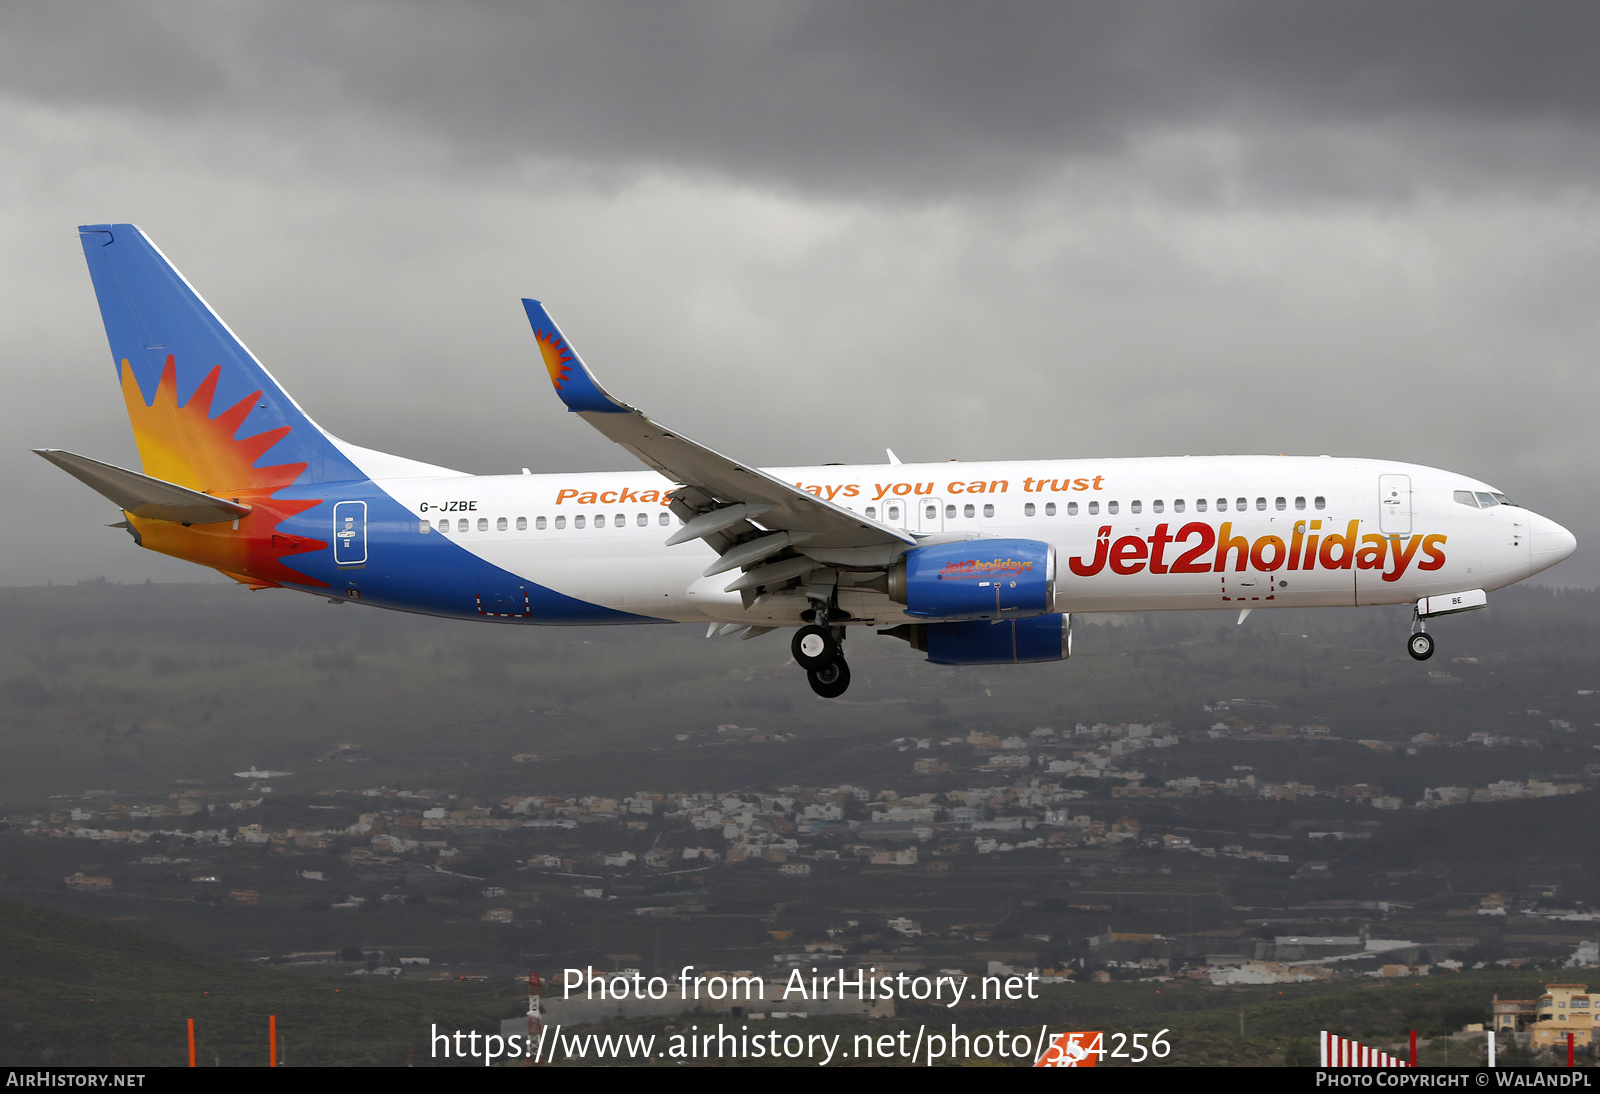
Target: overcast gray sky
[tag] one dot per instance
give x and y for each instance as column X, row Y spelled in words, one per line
column 802, row 232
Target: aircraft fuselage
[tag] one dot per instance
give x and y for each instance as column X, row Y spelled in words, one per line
column 1148, row 534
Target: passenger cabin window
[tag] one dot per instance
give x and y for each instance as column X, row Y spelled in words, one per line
column 1261, row 505
column 1199, row 505
column 522, row 523
column 931, row 512
column 950, row 511
column 1050, row 508
column 1320, row 502
column 1241, row 504
column 461, row 525
column 424, row 526
column 664, row 520
column 1094, row 508
column 579, row 521
column 1111, row 508
column 501, row 524
column 1158, row 506
column 1222, row 505
column 872, row 512
column 561, row 522
column 969, row 510
column 1300, row 503
column 1027, row 510
column 538, row 523
column 620, row 521
column 988, row 510
column 644, row 520
column 894, row 512
column 1280, row 504
column 1135, row 506
column 1177, row 505
column 599, row 520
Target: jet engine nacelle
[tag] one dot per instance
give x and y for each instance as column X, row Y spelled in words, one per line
column 976, row 579
column 976, row 642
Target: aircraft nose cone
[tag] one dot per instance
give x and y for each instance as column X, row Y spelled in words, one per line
column 1550, row 542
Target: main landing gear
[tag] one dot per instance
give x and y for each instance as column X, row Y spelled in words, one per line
column 818, row 649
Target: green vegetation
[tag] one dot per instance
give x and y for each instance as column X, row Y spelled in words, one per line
column 78, row 991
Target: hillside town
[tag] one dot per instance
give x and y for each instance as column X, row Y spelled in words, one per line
column 1124, row 857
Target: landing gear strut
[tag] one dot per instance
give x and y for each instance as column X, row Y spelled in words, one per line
column 1420, row 644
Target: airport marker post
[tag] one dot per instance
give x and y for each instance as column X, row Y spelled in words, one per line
column 535, row 1014
column 191, row 1042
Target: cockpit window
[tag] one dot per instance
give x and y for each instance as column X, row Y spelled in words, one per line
column 1482, row 499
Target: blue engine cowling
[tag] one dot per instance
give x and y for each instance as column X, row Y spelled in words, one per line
column 1009, row 642
column 976, row 579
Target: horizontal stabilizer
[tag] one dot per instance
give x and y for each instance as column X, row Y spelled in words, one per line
column 143, row 496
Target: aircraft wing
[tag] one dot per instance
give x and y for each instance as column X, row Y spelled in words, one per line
column 721, row 500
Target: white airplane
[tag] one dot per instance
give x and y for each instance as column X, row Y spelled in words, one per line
column 971, row 563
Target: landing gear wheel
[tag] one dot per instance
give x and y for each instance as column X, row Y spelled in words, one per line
column 1420, row 645
column 814, row 647
column 831, row 680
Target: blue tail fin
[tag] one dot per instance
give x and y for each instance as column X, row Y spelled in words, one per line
column 204, row 412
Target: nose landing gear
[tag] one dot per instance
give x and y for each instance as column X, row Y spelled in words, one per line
column 1420, row 645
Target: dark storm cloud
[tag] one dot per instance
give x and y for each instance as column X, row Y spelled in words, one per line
column 1357, row 228
column 907, row 96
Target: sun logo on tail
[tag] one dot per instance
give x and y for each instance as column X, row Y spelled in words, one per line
column 184, row 444
column 557, row 357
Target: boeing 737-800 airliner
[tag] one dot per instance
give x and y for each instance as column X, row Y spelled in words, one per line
column 971, row 563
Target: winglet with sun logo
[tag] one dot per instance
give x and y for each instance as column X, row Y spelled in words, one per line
column 572, row 380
